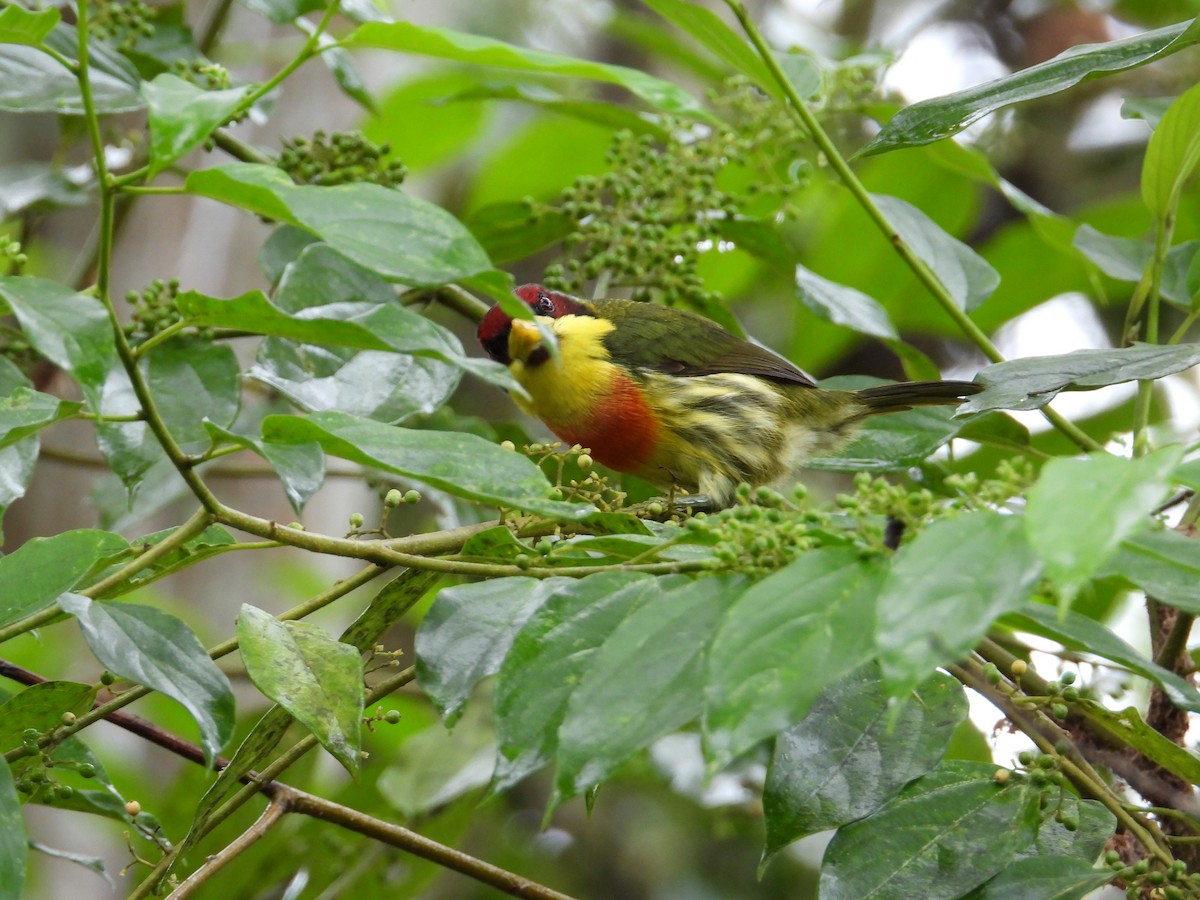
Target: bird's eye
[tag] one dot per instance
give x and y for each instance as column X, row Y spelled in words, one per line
column 543, row 305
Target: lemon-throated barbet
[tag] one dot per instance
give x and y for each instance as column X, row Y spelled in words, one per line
column 673, row 398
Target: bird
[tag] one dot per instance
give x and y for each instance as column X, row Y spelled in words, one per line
column 671, row 397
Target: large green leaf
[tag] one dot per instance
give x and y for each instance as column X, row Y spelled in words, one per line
column 1044, row 878
column 1113, row 495
column 1172, row 154
column 1164, row 564
column 968, row 277
column 41, row 706
column 460, row 464
column 300, row 467
column 945, row 834
column 469, row 630
column 944, row 590
column 36, row 186
column 1032, row 382
column 182, row 116
column 1127, row 259
column 843, row 761
column 37, row 572
column 193, row 381
column 443, row 43
column 1079, row 633
column 1128, row 729
column 397, row 236
column 316, row 679
column 31, row 81
column 645, row 681
column 843, row 305
column 357, row 324
column 550, row 653
column 13, row 839
column 71, row 330
column 941, row 117
column 782, row 642
column 153, row 648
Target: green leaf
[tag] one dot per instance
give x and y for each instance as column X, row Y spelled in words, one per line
column 36, row 186
column 41, row 706
column 31, row 81
column 1127, row 728
column 1127, row 260
column 422, row 126
column 843, row 305
column 549, row 655
column 300, row 467
column 1113, row 495
column 1032, row 382
column 41, row 569
column 945, row 834
column 182, row 116
column 1079, row 633
column 595, row 111
column 437, row 766
column 965, row 274
column 281, row 12
column 391, row 602
column 941, row 117
column 444, row 43
column 1172, row 154
column 153, row 648
column 193, row 381
column 707, row 28
column 1164, row 564
column 316, row 679
column 23, row 26
column 945, row 588
column 69, row 329
column 459, row 464
column 1044, row 878
column 13, row 840
column 210, row 542
column 843, row 761
column 782, row 642
column 26, row 411
column 397, row 236
column 94, row 863
column 341, row 65
column 469, row 630
column 361, row 325
column 511, row 230
column 645, row 681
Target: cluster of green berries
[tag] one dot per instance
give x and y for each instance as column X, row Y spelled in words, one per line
column 1058, row 694
column 1155, row 881
column 773, row 150
column 570, row 469
column 391, row 500
column 154, row 309
column 344, row 157
column 876, row 500
column 121, row 22
column 35, row 779
column 201, row 72
column 643, row 224
column 762, row 532
column 1013, row 478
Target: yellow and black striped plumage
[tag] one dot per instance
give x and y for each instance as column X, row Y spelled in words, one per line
column 671, row 397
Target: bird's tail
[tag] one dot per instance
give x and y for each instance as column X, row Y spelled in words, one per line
column 905, row 395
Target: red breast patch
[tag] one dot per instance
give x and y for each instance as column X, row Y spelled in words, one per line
column 621, row 432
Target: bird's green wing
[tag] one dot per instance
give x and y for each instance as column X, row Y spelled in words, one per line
column 682, row 343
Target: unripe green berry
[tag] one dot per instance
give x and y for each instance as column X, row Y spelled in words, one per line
column 393, row 498
column 1068, row 678
column 86, row 770
column 1060, row 710
column 1019, row 667
column 1070, row 694
column 1141, row 867
column 991, row 674
column 356, row 520
column 1026, row 757
column 412, row 497
column 392, row 716
column 522, row 561
column 107, row 678
column 68, row 718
